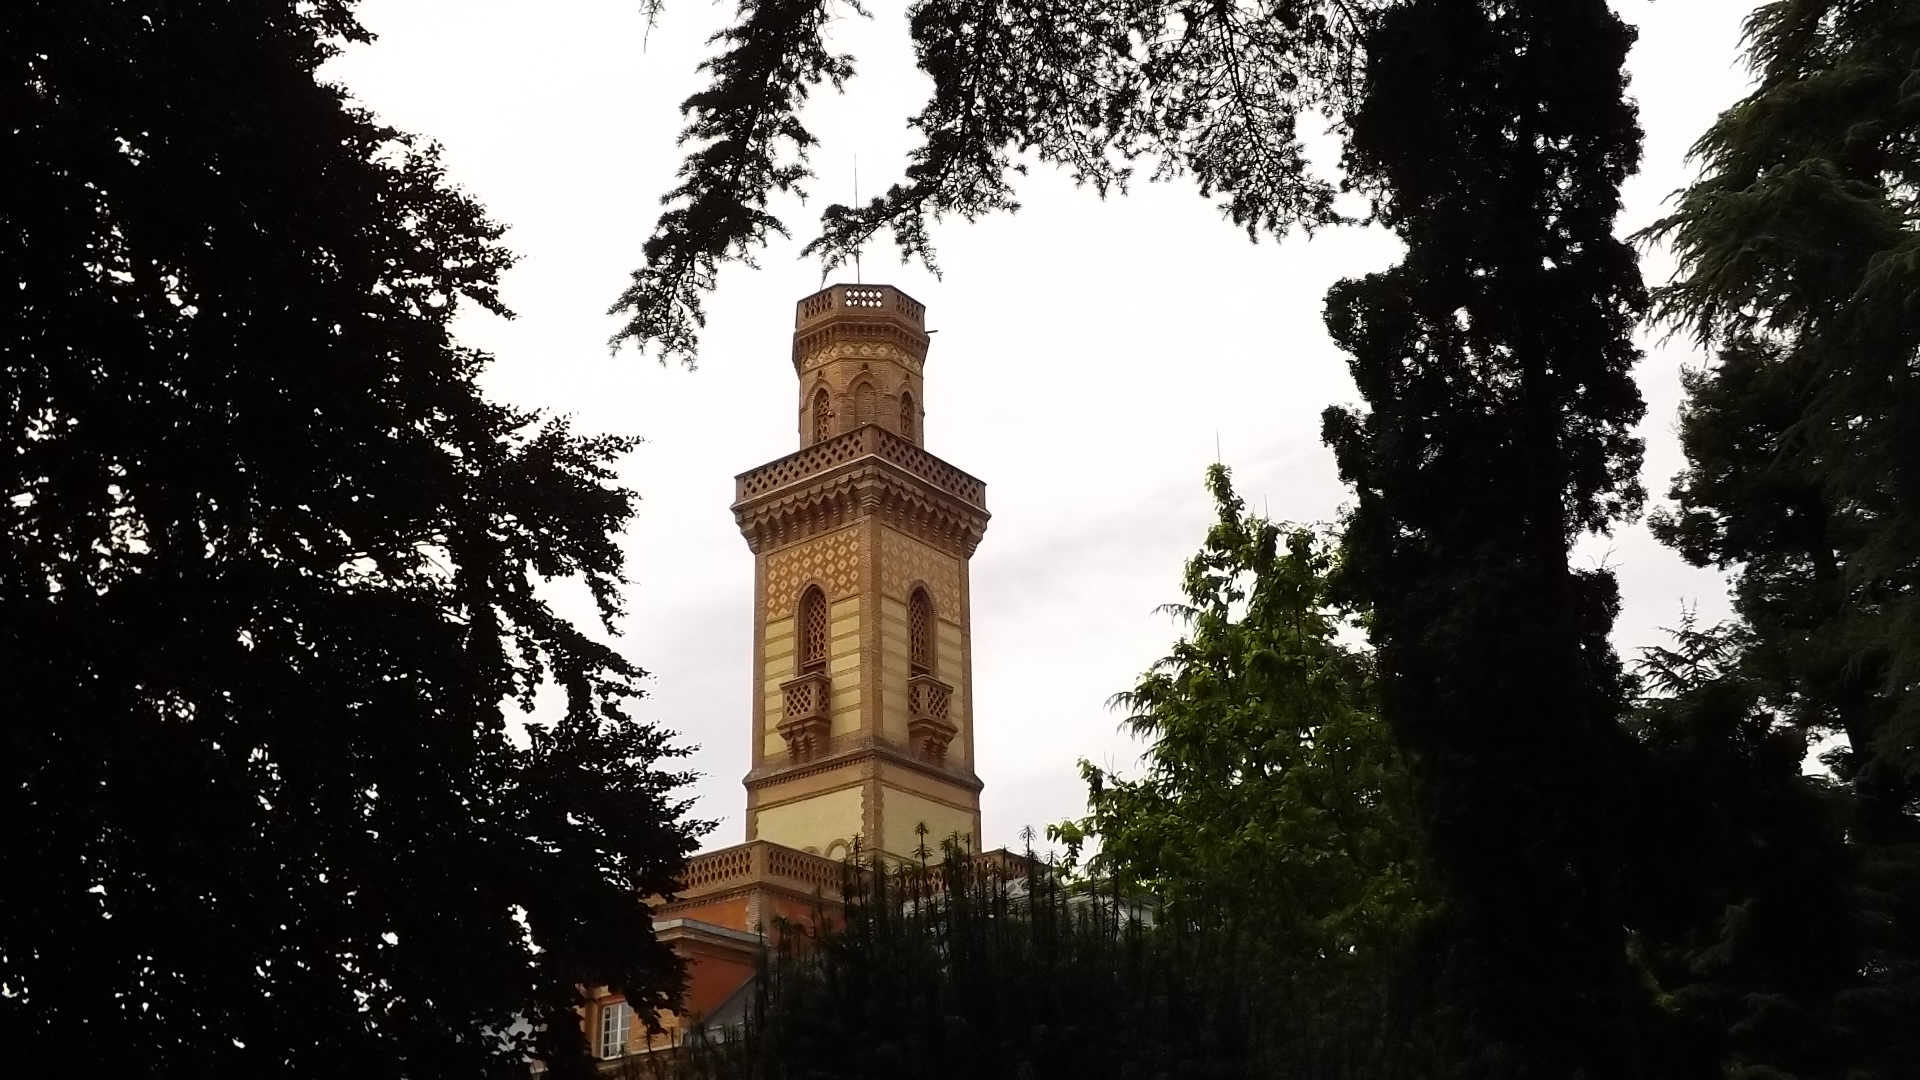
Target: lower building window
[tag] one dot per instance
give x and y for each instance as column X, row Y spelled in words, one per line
column 616, row 1021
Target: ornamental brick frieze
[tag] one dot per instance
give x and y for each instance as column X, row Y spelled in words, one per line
column 933, row 521
column 906, row 562
column 869, row 351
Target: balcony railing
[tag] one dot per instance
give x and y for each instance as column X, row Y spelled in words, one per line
column 868, row 441
column 806, row 716
column 928, row 728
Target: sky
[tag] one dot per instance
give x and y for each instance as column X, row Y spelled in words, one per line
column 1092, row 359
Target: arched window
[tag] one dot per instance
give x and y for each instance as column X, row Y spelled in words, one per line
column 863, row 403
column 822, row 415
column 907, row 418
column 813, row 629
column 920, row 632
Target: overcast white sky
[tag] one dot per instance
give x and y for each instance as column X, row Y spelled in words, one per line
column 1090, row 355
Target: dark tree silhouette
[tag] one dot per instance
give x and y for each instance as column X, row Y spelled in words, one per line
column 1495, row 361
column 268, row 576
column 1216, row 91
column 1796, row 262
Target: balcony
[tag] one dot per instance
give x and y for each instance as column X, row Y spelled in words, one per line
column 806, row 717
column 929, row 731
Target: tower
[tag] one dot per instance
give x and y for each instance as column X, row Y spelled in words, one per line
column 862, row 654
column 862, row 680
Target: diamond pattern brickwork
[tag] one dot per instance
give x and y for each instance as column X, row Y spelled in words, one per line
column 833, row 560
column 904, row 561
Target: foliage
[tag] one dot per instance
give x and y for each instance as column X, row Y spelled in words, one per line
column 959, row 969
column 1796, row 261
column 1273, row 794
column 1737, row 872
column 1217, row 90
column 1495, row 362
column 1796, row 257
column 269, row 574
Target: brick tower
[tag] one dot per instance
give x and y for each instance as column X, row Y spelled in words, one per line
column 862, row 682
column 862, row 704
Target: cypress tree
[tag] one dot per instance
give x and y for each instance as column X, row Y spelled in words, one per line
column 1495, row 362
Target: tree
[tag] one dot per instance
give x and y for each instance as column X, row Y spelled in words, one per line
column 1495, row 361
column 1275, row 811
column 1273, row 791
column 1795, row 252
column 268, row 577
column 1212, row 90
column 1736, row 882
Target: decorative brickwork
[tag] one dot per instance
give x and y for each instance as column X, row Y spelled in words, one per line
column 863, row 403
column 905, row 562
column 832, row 560
column 928, row 726
column 862, row 511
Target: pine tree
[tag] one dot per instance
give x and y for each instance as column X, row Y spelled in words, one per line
column 1737, row 888
column 268, row 577
column 1796, row 261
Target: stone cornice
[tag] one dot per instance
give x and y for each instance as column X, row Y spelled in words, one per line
column 857, row 751
column 865, row 471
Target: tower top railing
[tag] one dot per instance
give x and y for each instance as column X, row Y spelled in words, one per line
column 876, row 302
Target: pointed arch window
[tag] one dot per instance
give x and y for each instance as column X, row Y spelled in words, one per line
column 920, row 632
column 813, row 630
column 863, row 403
column 907, row 418
column 822, row 415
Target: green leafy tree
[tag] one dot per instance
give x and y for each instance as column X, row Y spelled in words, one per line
column 268, row 575
column 1275, row 812
column 1273, row 794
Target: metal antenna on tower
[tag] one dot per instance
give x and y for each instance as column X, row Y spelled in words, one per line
column 856, row 207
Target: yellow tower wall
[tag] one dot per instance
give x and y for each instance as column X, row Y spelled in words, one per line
column 867, row 514
column 814, row 823
column 905, row 811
